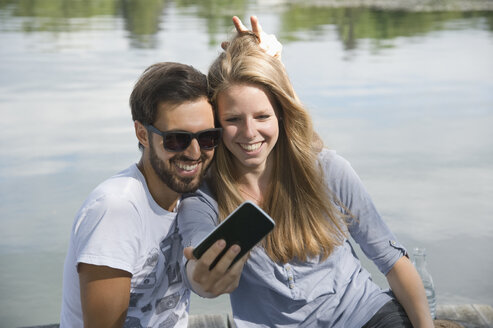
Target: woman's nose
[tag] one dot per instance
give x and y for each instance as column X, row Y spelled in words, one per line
column 249, row 129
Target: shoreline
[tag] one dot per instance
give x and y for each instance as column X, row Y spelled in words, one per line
column 411, row 5
column 448, row 316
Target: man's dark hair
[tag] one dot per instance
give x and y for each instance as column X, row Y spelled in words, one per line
column 168, row 82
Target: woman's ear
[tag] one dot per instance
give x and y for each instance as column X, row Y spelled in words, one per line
column 141, row 133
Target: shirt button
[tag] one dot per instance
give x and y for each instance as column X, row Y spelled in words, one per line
column 393, row 243
column 291, row 286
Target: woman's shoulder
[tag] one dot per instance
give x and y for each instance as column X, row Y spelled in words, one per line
column 332, row 162
column 339, row 175
column 203, row 195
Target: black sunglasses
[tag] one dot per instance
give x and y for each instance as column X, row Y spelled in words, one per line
column 176, row 141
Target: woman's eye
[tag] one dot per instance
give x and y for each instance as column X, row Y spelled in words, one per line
column 263, row 117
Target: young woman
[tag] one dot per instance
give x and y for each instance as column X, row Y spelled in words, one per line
column 305, row 272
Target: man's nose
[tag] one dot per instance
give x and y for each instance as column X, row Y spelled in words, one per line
column 193, row 150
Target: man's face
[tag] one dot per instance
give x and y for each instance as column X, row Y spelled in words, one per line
column 182, row 171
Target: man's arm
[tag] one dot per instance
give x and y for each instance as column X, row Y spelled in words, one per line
column 104, row 295
column 407, row 286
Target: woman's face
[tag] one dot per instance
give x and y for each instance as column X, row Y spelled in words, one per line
column 250, row 124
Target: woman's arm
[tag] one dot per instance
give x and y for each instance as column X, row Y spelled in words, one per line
column 197, row 217
column 407, row 287
column 376, row 240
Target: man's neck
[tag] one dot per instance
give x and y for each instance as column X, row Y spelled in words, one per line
column 160, row 192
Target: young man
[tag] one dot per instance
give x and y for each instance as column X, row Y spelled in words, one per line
column 124, row 262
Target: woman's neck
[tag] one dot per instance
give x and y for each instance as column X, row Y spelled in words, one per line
column 253, row 184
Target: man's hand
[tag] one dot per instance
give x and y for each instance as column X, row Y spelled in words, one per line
column 221, row 279
column 267, row 42
column 104, row 295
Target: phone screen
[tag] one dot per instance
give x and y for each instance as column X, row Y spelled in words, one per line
column 245, row 226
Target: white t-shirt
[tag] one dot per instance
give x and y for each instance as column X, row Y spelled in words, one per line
column 121, row 226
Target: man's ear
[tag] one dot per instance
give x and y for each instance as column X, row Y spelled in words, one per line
column 141, row 133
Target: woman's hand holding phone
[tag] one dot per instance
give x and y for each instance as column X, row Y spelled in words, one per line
column 222, row 278
column 214, row 266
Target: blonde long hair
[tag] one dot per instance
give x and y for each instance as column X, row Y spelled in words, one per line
column 308, row 223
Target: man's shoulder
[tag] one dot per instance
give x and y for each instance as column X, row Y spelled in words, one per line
column 126, row 185
column 122, row 193
column 121, row 181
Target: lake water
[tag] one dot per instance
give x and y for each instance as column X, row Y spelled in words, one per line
column 406, row 97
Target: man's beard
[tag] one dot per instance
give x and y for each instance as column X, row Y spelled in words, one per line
column 173, row 181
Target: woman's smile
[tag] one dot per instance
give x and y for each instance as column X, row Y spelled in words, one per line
column 250, row 124
column 251, row 147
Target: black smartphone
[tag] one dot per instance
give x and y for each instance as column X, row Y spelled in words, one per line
column 245, row 226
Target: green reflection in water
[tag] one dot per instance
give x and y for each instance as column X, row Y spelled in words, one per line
column 216, row 13
column 353, row 24
column 57, row 15
column 142, row 19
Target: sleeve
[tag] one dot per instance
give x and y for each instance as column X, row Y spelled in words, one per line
column 366, row 225
column 197, row 216
column 108, row 232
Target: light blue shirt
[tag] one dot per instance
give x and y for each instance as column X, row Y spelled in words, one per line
column 336, row 292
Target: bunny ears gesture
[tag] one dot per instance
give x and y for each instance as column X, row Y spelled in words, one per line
column 267, row 42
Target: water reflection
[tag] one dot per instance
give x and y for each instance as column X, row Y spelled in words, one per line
column 144, row 19
column 404, row 95
column 58, row 16
column 353, row 24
